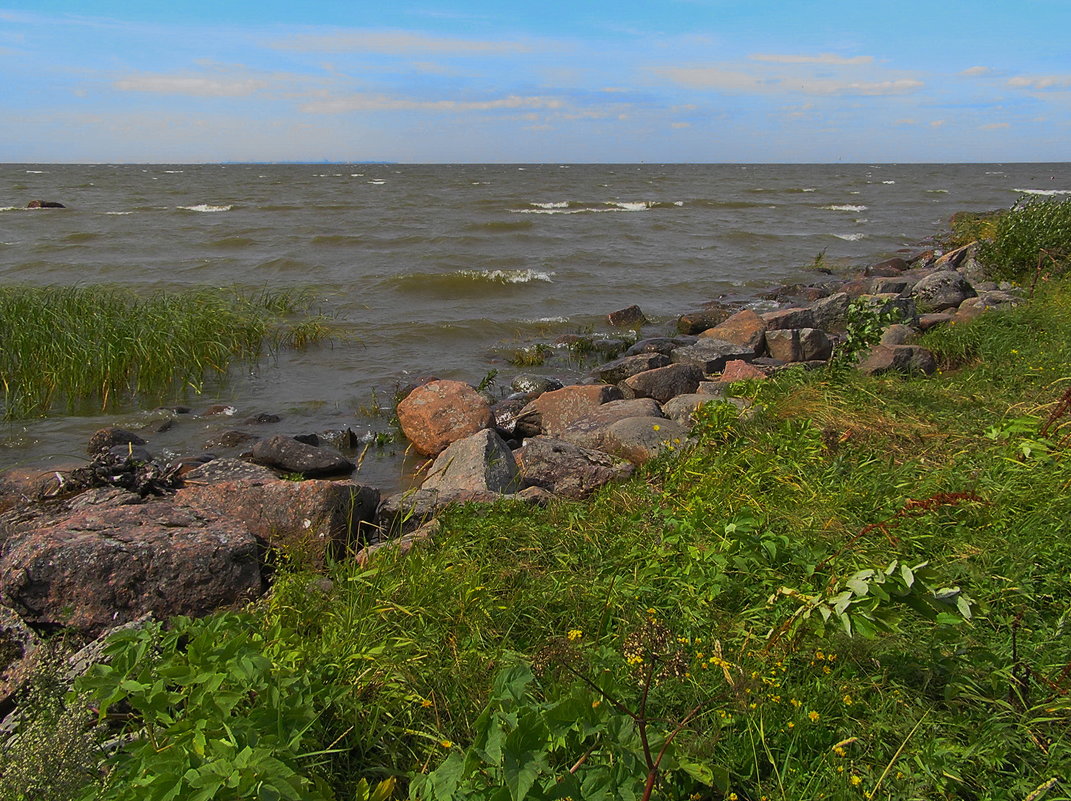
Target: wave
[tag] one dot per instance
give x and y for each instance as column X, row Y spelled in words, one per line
column 337, row 240
column 850, row 237
column 118, row 213
column 205, row 208
column 845, row 207
column 233, row 242
column 581, row 207
column 1047, row 192
column 35, row 172
column 888, row 182
column 464, row 280
column 937, row 191
column 500, row 225
column 81, row 236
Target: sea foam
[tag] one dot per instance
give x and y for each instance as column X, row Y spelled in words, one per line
column 845, row 207
column 206, row 208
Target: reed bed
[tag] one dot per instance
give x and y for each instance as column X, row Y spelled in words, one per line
column 79, row 347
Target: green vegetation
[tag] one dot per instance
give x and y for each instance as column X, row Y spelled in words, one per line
column 98, row 346
column 1031, row 238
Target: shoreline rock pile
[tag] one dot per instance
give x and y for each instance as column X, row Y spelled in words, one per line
column 125, row 537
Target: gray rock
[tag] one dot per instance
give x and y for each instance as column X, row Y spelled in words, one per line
column 618, row 370
column 710, row 355
column 699, row 321
column 902, row 308
column 906, row 359
column 481, row 462
column 800, row 317
column 663, row 383
column 105, row 439
column 406, row 511
column 590, row 431
column 897, row 285
column 928, row 321
column 630, row 317
column 640, row 439
column 18, row 649
column 663, row 345
column 534, row 385
column 228, row 470
column 898, row 334
column 682, row 408
column 831, row 314
column 232, row 438
column 566, row 469
column 507, row 415
column 802, row 345
column 290, row 456
column 944, row 289
column 552, row 412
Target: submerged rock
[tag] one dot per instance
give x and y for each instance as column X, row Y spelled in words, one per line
column 291, row 456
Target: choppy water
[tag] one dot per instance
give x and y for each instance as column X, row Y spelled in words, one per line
column 436, row 269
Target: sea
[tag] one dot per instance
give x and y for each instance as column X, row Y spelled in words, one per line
column 449, row 270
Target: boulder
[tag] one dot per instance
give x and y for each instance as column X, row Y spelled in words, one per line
column 629, row 317
column 699, row 321
column 566, row 469
column 590, row 431
column 440, row 412
column 640, row 439
column 552, row 412
column 44, row 204
column 682, row 408
column 907, row 359
column 534, row 385
column 306, row 519
column 18, row 651
column 898, row 334
column 619, row 369
column 400, row 545
column 739, row 370
column 745, row 328
column 663, row 383
column 943, row 289
column 896, row 286
column 481, row 462
column 231, row 438
column 94, row 568
column 291, row 456
column 893, row 266
column 105, row 439
column 799, row 345
column 227, row 470
column 663, row 345
column 507, row 414
column 711, row 355
column 800, row 317
column 902, row 308
column 831, row 313
column 406, row 511
column 928, row 321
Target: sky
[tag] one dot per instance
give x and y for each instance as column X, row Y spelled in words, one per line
column 501, row 81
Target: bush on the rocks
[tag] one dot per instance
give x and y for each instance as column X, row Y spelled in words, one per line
column 1036, row 232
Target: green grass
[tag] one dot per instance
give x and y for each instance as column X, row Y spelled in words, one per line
column 97, row 347
column 1034, row 236
column 725, row 546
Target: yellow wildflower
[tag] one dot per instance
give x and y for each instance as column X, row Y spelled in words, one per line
column 446, row 744
column 855, row 780
column 847, row 699
column 813, row 716
column 425, row 703
column 574, row 635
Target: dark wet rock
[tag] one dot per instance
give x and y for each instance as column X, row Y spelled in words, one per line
column 905, row 359
column 291, row 456
column 738, row 370
column 440, row 412
column 893, row 266
column 698, row 321
column 263, row 418
column 941, row 290
column 534, row 385
column 227, row 470
column 159, row 426
column 105, row 439
column 640, row 439
column 566, row 469
column 341, row 438
column 663, row 345
column 590, row 431
column 305, row 519
column 137, row 453
column 44, row 204
column 799, row 317
column 900, row 308
column 508, row 413
column 715, row 389
column 711, row 355
column 19, row 647
column 98, row 567
column 630, row 317
column 897, row 286
column 218, row 409
column 619, row 369
column 552, row 412
column 663, row 383
column 481, row 462
column 746, row 328
column 232, row 438
column 799, row 345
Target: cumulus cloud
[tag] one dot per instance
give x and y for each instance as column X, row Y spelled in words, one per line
column 395, row 43
column 1040, row 82
column 371, row 102
column 821, row 58
column 974, row 72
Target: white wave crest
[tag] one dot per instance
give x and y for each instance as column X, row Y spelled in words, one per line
column 850, row 237
column 888, row 182
column 1047, row 192
column 845, row 207
column 937, row 191
column 35, row 172
column 809, row 189
column 538, row 320
column 508, row 276
column 206, row 208
column 118, row 213
column 554, row 204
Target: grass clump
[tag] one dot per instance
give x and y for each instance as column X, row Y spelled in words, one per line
column 1034, row 235
column 96, row 347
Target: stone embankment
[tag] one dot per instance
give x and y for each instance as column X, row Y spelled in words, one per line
column 125, row 537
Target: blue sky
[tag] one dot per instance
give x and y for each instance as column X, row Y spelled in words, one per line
column 581, row 81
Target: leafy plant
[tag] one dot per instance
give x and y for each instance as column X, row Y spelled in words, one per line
column 866, row 320
column 1034, row 235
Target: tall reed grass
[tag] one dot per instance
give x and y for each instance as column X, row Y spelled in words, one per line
column 75, row 347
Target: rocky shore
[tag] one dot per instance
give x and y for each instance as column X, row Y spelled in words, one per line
column 124, row 536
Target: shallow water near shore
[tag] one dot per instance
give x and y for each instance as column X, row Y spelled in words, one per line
column 443, row 269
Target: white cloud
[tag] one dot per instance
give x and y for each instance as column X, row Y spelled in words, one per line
column 821, row 58
column 396, row 43
column 370, row 102
column 196, row 85
column 736, row 81
column 938, row 123
column 1040, row 82
column 974, row 72
column 680, row 125
column 993, row 126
